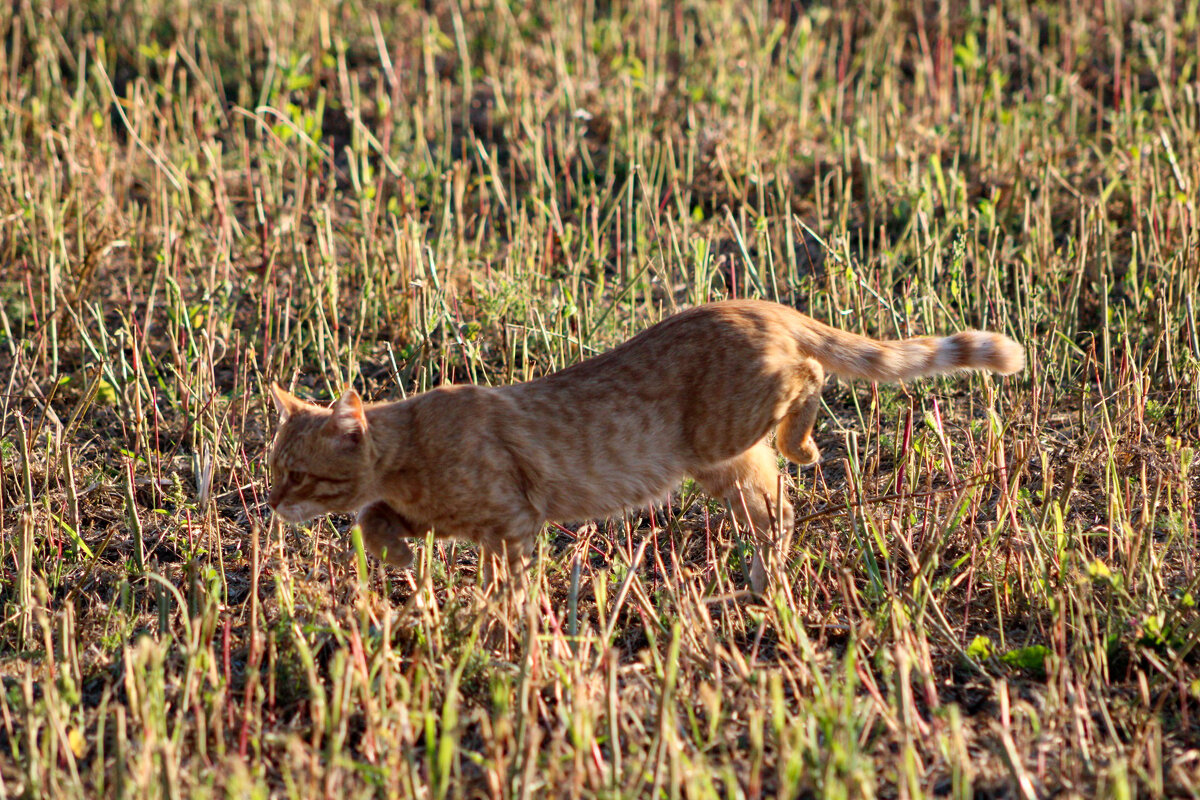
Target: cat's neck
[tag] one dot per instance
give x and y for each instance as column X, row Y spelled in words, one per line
column 389, row 428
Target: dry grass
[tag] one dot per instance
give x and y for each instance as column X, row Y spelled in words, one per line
column 992, row 587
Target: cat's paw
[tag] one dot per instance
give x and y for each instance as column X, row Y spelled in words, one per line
column 758, row 574
column 808, row 453
column 396, row 554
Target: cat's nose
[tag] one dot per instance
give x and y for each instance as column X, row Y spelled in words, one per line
column 275, row 497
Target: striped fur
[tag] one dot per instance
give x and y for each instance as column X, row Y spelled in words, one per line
column 853, row 356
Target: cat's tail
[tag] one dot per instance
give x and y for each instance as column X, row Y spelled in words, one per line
column 853, row 356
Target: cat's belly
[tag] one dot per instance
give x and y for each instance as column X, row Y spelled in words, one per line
column 610, row 492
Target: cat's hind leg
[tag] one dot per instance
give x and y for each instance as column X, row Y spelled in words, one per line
column 794, row 437
column 385, row 532
column 750, row 484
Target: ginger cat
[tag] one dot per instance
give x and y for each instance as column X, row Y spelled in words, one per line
column 697, row 394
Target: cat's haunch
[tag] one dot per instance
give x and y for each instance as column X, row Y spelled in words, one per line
column 696, row 395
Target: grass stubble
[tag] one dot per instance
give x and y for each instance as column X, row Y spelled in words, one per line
column 991, row 588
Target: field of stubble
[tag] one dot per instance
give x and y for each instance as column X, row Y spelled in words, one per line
column 992, row 586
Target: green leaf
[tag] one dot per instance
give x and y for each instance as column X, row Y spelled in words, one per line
column 106, row 394
column 359, row 552
column 1031, row 659
column 980, row 648
column 75, row 537
column 297, row 82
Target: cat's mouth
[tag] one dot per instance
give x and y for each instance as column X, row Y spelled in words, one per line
column 294, row 513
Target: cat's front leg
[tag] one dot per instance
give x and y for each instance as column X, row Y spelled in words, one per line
column 504, row 561
column 385, row 532
column 503, row 558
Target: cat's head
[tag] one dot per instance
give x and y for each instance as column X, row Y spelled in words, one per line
column 320, row 461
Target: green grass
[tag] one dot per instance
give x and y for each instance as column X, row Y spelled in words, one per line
column 992, row 585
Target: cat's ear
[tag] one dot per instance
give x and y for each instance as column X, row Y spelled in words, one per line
column 348, row 418
column 285, row 402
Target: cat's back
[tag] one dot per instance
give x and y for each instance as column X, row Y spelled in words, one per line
column 452, row 405
column 719, row 339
